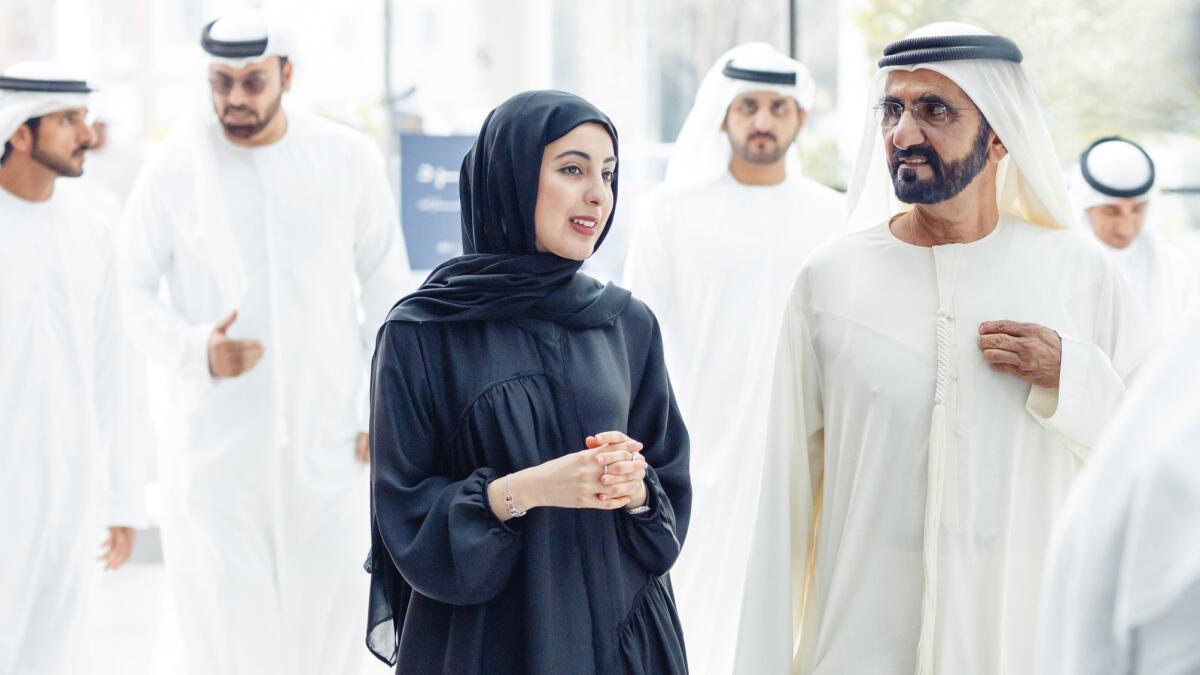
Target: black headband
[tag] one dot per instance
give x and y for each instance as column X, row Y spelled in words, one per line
column 1112, row 191
column 949, row 48
column 764, row 76
column 47, row 86
column 232, row 49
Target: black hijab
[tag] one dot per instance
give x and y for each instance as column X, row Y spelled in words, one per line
column 501, row 274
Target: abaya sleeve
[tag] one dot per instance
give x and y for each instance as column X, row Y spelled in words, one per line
column 440, row 533
column 655, row 537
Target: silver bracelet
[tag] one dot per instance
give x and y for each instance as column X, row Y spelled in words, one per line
column 638, row 510
column 510, row 503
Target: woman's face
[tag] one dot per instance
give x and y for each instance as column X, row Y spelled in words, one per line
column 575, row 195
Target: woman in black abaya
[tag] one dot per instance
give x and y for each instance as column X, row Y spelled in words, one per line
column 530, row 468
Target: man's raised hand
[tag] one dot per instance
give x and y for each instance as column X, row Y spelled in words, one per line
column 228, row 357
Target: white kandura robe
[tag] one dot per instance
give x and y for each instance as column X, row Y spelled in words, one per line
column 1125, row 558
column 921, row 474
column 265, row 505
column 1160, row 276
column 716, row 264
column 63, row 474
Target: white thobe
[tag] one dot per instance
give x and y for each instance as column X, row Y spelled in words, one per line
column 265, row 505
column 925, row 482
column 1160, row 276
column 716, row 265
column 62, row 475
column 1125, row 561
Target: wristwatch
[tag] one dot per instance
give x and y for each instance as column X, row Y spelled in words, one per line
column 638, row 510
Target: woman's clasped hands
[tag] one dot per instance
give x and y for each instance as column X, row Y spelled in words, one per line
column 609, row 473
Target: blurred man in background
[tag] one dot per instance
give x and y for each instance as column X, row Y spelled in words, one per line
column 1125, row 563
column 61, row 369
column 1113, row 186
column 277, row 235
column 714, row 253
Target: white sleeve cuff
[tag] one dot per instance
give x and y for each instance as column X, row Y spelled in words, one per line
column 128, row 510
column 193, row 361
column 1089, row 391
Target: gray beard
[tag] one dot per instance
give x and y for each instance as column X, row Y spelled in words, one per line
column 949, row 178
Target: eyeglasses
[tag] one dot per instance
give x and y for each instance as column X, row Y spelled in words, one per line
column 929, row 114
column 224, row 85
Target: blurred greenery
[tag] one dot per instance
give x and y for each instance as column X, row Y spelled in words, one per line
column 1099, row 67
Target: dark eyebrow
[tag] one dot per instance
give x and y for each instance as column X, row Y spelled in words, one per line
column 932, row 98
column 927, row 97
column 580, row 153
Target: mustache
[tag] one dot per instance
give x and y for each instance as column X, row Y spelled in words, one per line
column 924, row 152
column 237, row 108
column 761, row 134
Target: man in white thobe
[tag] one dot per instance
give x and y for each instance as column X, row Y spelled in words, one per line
column 1124, row 564
column 942, row 376
column 64, row 473
column 277, row 235
column 1113, row 188
column 714, row 252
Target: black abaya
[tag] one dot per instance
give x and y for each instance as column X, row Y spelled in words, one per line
column 456, row 405
column 504, row 359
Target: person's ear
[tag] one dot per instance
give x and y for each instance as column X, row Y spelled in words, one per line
column 996, row 150
column 22, row 139
column 286, row 76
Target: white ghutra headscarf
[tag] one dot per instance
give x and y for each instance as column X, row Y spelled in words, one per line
column 35, row 88
column 702, row 151
column 1029, row 183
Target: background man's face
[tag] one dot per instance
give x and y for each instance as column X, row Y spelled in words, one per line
column 933, row 157
column 247, row 99
column 1119, row 223
column 762, row 125
column 61, row 141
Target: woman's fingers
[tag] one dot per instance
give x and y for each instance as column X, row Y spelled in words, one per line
column 624, row 472
column 618, row 470
column 618, row 490
column 620, row 452
column 610, row 503
column 610, row 437
column 613, row 456
column 634, row 464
